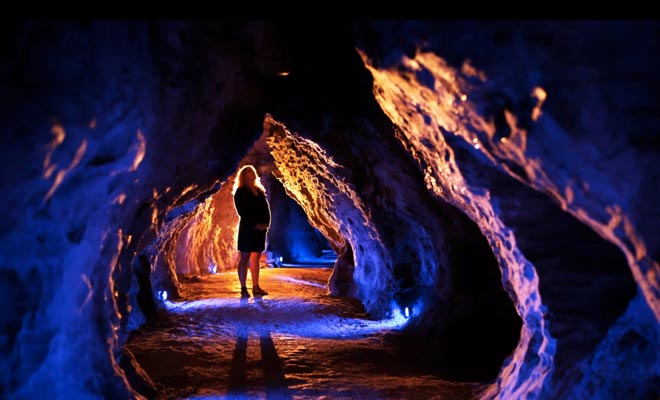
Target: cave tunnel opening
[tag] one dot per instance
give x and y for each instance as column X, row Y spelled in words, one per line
column 465, row 335
column 291, row 241
column 325, row 75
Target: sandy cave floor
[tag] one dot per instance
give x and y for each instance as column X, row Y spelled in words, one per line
column 295, row 343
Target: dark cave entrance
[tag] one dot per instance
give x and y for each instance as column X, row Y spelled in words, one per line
column 584, row 280
column 482, row 326
column 467, row 334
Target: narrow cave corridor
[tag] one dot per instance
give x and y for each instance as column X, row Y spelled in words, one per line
column 476, row 298
column 461, row 209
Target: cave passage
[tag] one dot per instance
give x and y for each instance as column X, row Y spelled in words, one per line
column 462, row 333
column 493, row 180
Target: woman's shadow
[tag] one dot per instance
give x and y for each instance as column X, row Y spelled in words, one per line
column 276, row 386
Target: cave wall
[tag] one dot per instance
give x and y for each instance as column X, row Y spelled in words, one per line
column 109, row 124
column 543, row 102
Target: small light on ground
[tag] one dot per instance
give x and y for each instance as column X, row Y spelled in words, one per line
column 213, row 268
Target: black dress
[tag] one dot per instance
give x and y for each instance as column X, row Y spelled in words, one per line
column 252, row 210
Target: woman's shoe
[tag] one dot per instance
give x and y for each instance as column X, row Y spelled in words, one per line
column 257, row 291
column 244, row 292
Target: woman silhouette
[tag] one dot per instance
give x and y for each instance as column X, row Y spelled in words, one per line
column 254, row 212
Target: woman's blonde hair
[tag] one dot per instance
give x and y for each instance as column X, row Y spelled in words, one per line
column 239, row 181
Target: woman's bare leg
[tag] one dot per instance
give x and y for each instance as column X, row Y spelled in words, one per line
column 254, row 268
column 242, row 268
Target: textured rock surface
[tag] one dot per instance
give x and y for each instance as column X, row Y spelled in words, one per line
column 484, row 105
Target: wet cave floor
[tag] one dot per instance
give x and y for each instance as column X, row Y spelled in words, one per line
column 295, row 343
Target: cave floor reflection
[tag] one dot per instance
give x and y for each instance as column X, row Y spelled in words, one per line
column 296, row 343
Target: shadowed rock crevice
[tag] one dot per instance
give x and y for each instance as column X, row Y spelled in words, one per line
column 467, row 335
column 584, row 280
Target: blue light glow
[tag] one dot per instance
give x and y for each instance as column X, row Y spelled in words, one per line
column 398, row 319
column 213, row 268
column 284, row 316
column 406, row 311
column 202, row 304
column 162, row 295
column 301, row 281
